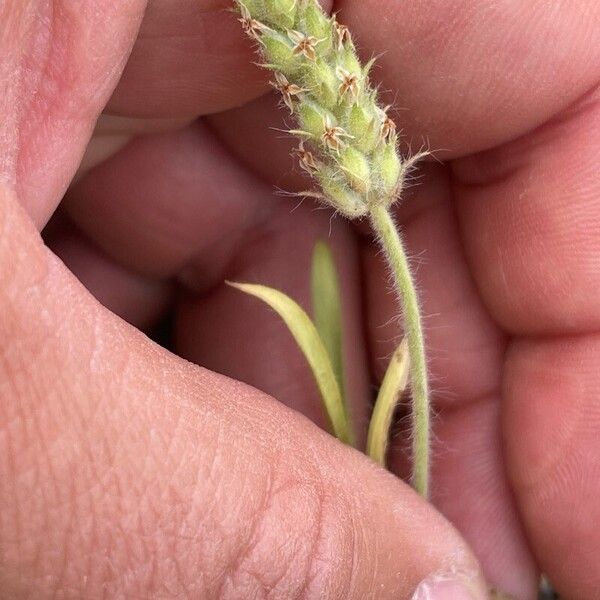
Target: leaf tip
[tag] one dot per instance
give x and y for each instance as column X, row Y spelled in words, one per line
column 243, row 287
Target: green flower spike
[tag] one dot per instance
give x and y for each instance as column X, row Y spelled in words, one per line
column 349, row 145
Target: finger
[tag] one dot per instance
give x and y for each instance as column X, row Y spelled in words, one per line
column 126, row 471
column 551, row 428
column 139, row 300
column 165, row 199
column 241, row 338
column 465, row 354
column 202, row 58
column 533, row 244
column 256, row 131
column 112, row 133
column 58, row 68
column 530, row 215
column 205, row 62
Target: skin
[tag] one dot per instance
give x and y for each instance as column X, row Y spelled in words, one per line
column 127, row 471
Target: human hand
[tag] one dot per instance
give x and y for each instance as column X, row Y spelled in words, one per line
column 133, row 462
column 124, row 470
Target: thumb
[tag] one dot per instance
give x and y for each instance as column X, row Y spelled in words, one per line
column 125, row 471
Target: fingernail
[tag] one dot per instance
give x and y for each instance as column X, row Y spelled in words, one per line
column 447, row 587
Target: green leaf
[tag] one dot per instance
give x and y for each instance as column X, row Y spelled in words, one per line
column 309, row 341
column 394, row 384
column 327, row 306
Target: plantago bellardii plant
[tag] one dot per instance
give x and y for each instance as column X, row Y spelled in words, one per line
column 349, row 146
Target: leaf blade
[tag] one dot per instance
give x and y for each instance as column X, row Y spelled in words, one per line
column 311, row 345
column 327, row 306
column 393, row 385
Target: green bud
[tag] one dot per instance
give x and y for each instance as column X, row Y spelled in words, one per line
column 313, row 118
column 363, row 125
column 355, row 166
column 281, row 13
column 366, row 71
column 279, row 53
column 348, row 60
column 256, row 8
column 388, row 166
column 324, row 84
column 320, row 79
column 340, row 196
column 317, row 24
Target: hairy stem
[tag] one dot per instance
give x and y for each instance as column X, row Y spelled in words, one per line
column 390, row 241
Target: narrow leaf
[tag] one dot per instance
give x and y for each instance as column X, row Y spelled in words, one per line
column 309, row 341
column 394, row 384
column 327, row 306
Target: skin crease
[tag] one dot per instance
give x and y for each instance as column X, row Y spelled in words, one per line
column 508, row 280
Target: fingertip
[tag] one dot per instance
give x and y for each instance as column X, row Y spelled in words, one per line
column 550, row 429
column 398, row 540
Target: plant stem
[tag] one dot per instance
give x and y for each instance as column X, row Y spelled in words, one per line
column 390, row 241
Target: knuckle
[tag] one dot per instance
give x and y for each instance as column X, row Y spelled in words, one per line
column 300, row 545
